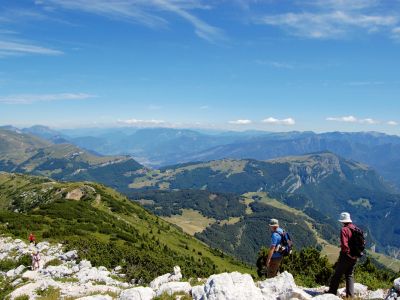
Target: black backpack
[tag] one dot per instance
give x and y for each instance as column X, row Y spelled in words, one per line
column 357, row 242
column 286, row 245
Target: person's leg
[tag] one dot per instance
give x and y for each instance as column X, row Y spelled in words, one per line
column 350, row 278
column 339, row 271
column 273, row 267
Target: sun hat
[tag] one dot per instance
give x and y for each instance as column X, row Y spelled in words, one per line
column 273, row 222
column 345, row 218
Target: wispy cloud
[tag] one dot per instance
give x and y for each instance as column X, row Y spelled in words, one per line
column 10, row 48
column 240, row 122
column 275, row 121
column 353, row 119
column 138, row 122
column 324, row 19
column 146, row 12
column 365, row 83
column 392, row 123
column 31, row 98
column 276, row 64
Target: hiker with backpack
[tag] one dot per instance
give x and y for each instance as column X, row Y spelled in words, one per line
column 352, row 244
column 280, row 247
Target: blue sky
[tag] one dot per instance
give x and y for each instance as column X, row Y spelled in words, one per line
column 275, row 65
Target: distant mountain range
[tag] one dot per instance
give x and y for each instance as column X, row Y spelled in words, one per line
column 321, row 185
column 158, row 147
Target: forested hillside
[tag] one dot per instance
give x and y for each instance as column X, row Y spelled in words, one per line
column 104, row 226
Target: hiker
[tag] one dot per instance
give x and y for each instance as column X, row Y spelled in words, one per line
column 32, row 238
column 348, row 255
column 35, row 260
column 274, row 257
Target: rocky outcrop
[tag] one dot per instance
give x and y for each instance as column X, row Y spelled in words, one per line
column 80, row 280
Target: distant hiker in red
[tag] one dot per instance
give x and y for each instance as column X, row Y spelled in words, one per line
column 352, row 244
column 32, row 238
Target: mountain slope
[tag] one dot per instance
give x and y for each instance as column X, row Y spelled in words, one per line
column 321, row 182
column 26, row 153
column 103, row 225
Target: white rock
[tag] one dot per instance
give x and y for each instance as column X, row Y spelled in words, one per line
column 228, row 286
column 75, row 269
column 296, row 293
column 31, row 275
column 375, row 295
column 15, row 272
column 96, row 297
column 278, row 285
column 360, row 290
column 58, row 271
column 31, row 288
column 396, row 284
column 101, row 268
column 85, row 264
column 138, row 293
column 327, row 297
column 16, row 282
column 70, row 255
column 174, row 287
column 117, row 269
column 176, row 275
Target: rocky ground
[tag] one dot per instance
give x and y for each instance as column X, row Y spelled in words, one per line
column 63, row 276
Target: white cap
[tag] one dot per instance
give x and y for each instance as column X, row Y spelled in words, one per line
column 345, row 218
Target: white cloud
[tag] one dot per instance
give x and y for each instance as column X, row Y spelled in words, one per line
column 392, row 123
column 353, row 119
column 241, row 122
column 396, row 33
column 324, row 19
column 274, row 121
column 141, row 122
column 31, row 98
column 8, row 48
column 146, row 12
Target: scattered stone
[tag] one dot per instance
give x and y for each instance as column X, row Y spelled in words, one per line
column 396, row 284
column 176, row 275
column 360, row 290
column 96, row 297
column 70, row 255
column 174, row 287
column 15, row 272
column 138, row 293
column 376, row 295
column 327, row 297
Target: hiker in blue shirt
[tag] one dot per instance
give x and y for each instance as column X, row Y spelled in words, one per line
column 274, row 258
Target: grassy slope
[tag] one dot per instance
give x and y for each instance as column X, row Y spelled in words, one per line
column 101, row 214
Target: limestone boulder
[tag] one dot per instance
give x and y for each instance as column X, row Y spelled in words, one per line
column 228, row 286
column 137, row 293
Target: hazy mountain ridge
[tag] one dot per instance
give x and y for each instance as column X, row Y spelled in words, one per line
column 160, row 147
column 26, row 153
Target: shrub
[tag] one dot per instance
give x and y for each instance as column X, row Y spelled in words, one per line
column 53, row 262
